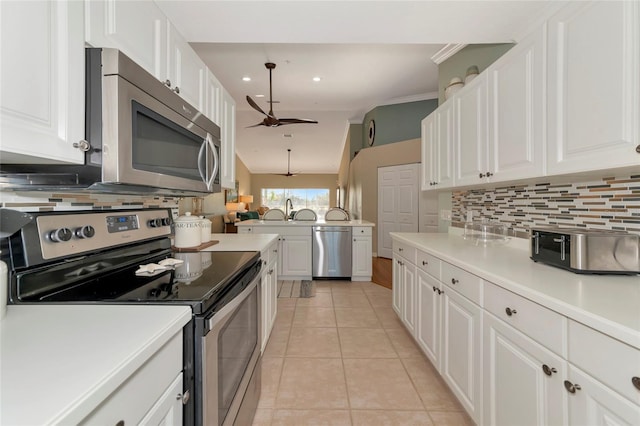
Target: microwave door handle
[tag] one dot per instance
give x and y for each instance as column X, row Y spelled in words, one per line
column 201, row 160
column 216, row 161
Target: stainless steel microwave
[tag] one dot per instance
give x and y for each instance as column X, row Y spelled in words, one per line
column 141, row 137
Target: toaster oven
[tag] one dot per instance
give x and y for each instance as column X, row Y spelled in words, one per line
column 586, row 251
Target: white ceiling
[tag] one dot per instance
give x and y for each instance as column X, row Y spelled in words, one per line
column 367, row 53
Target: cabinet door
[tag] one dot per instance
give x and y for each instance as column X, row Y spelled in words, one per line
column 295, row 252
column 186, row 70
column 428, row 322
column 397, row 285
column 409, row 296
column 42, row 81
column 594, row 404
column 265, row 295
column 460, row 367
column 444, row 137
column 228, row 142
column 137, row 28
column 516, row 114
column 471, row 164
column 518, row 389
column 167, row 411
column 594, row 107
column 428, row 151
column 362, row 257
column 213, row 107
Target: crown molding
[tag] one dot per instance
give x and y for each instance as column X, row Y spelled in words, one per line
column 446, row 52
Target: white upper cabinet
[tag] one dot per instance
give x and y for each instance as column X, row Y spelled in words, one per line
column 228, row 143
column 437, row 148
column 516, row 111
column 594, row 87
column 470, row 134
column 137, row 28
column 42, row 82
column 214, row 90
column 185, row 69
column 428, row 151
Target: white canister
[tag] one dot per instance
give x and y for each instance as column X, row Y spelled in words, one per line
column 187, row 230
column 205, row 229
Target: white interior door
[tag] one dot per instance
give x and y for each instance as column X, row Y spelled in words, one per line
column 398, row 199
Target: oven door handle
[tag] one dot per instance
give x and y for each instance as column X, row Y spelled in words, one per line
column 221, row 315
column 216, row 161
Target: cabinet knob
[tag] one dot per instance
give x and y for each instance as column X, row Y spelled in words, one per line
column 167, row 83
column 434, row 288
column 120, row 423
column 82, row 145
column 638, row 149
column 571, row 387
column 481, row 175
column 489, row 174
column 636, row 382
column 510, row 311
column 440, row 291
column 454, row 281
column 184, row 397
column 270, row 271
column 176, row 89
column 425, row 263
column 548, row 370
column 400, row 249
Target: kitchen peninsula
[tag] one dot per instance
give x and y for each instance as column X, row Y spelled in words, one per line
column 295, row 239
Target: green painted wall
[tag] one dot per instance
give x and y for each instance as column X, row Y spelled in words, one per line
column 394, row 123
column 481, row 55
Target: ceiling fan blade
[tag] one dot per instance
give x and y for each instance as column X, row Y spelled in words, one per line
column 296, row 121
column 255, row 106
column 255, row 125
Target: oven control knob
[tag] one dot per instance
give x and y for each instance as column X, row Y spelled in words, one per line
column 59, row 235
column 86, row 231
column 155, row 223
column 166, row 221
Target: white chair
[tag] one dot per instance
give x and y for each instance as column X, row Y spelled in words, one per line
column 336, row 213
column 273, row 214
column 305, row 214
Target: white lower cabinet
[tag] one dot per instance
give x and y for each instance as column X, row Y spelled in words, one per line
column 523, row 381
column 594, row 404
column 361, row 254
column 42, row 81
column 461, row 350
column 428, row 322
column 294, row 249
column 404, row 285
column 269, row 292
column 152, row 393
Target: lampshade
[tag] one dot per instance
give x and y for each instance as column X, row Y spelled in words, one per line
column 232, row 206
column 247, row 199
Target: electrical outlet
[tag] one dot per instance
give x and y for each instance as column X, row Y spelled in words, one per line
column 445, row 214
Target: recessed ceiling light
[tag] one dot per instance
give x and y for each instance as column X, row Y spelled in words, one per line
column 246, row 78
column 287, row 135
column 316, row 79
column 259, row 96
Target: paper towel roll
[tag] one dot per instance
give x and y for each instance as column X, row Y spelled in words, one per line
column 4, row 289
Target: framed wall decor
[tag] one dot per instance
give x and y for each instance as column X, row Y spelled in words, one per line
column 231, row 195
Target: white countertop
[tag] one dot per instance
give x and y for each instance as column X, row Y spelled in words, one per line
column 608, row 303
column 58, row 362
column 241, row 242
column 259, row 222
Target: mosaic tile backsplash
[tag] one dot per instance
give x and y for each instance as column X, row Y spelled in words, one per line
column 609, row 203
column 44, row 201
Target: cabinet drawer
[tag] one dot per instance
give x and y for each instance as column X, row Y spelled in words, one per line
column 541, row 324
column 405, row 251
column 429, row 264
column 283, row 230
column 465, row 283
column 361, row 230
column 612, row 362
column 135, row 397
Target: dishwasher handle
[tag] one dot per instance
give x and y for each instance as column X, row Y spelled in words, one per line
column 331, row 229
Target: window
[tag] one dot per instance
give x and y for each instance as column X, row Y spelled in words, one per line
column 316, row 199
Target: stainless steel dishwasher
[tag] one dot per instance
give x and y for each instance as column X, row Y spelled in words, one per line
column 331, row 251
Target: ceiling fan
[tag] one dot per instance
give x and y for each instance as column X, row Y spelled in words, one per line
column 270, row 119
column 288, row 165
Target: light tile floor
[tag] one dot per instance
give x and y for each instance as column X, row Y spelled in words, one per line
column 344, row 358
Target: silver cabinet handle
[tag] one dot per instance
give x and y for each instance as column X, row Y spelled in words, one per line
column 184, row 397
column 548, row 370
column 570, row 387
column 82, row 145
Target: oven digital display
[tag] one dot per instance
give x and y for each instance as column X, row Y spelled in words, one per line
column 122, row 223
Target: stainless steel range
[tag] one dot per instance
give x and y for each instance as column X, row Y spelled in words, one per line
column 92, row 257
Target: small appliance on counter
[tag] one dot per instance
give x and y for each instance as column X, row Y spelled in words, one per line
column 587, row 251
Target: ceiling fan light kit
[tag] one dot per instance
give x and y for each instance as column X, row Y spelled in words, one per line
column 270, row 120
